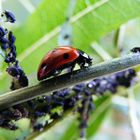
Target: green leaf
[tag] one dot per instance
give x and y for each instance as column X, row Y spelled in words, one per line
column 90, row 22
column 70, row 132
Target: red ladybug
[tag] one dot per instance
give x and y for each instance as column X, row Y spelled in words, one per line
column 60, row 58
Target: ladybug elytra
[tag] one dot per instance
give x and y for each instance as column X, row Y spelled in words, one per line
column 60, row 58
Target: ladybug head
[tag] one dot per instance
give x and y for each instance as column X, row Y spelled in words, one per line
column 41, row 71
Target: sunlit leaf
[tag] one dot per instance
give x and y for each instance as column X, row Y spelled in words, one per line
column 90, row 22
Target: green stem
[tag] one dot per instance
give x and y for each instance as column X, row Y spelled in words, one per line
column 133, row 114
column 101, row 52
column 46, row 87
column 119, row 38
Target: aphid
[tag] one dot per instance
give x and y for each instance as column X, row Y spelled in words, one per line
column 9, row 16
column 60, row 58
column 2, row 32
column 136, row 50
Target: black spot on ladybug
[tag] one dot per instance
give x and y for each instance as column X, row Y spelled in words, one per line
column 66, row 56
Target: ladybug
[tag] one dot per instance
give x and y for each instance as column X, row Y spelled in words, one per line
column 60, row 58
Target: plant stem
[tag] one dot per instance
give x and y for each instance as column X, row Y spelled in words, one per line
column 46, row 87
column 119, row 37
column 70, row 9
column 28, row 5
column 100, row 51
column 133, row 114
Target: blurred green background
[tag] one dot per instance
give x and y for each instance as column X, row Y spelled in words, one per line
column 94, row 23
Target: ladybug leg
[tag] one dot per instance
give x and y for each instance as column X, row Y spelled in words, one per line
column 86, row 63
column 56, row 72
column 82, row 64
column 72, row 68
column 89, row 62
